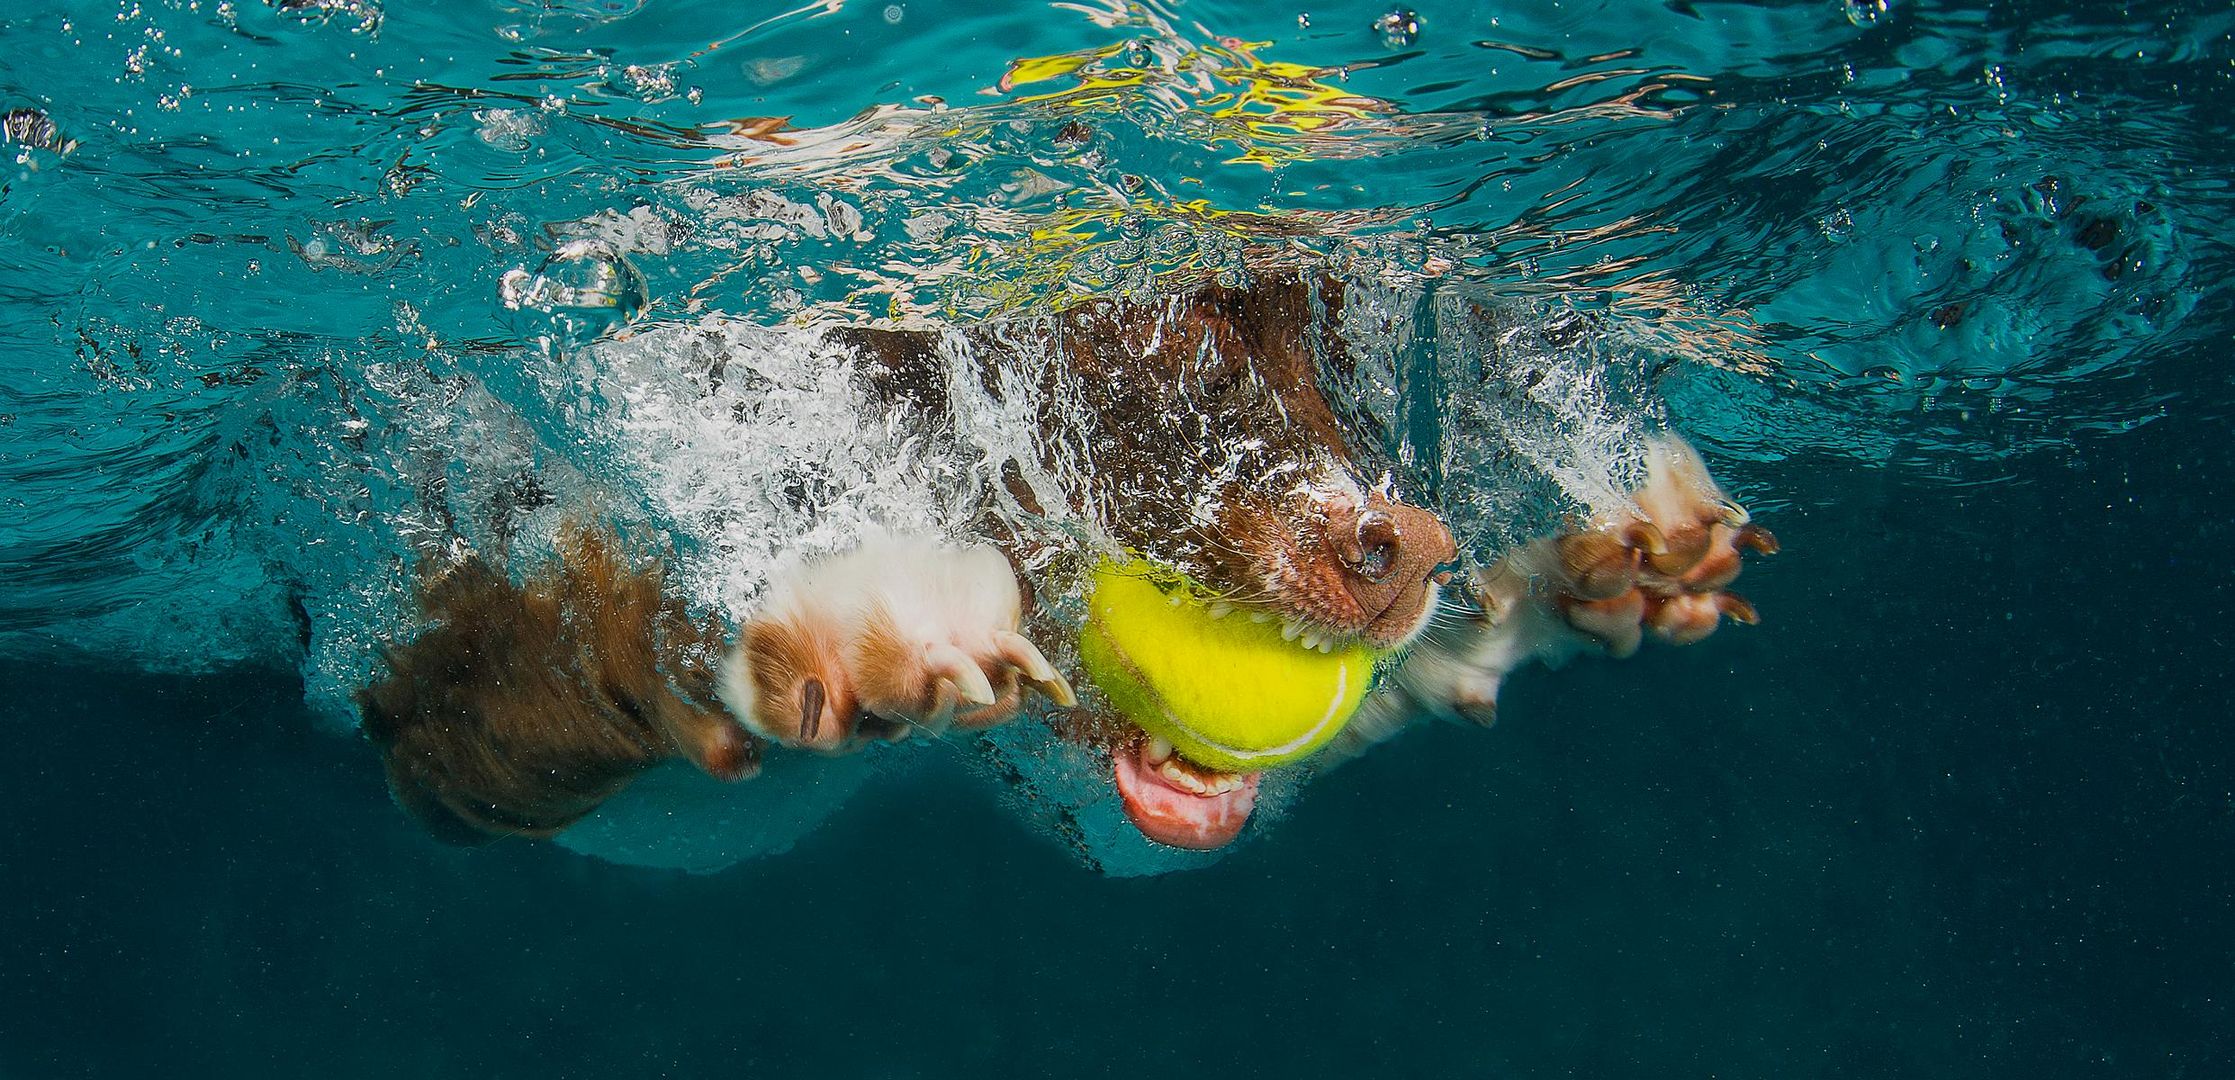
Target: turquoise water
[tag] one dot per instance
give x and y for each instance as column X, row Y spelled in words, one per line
column 294, row 290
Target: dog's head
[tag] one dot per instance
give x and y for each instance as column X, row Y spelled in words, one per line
column 1198, row 438
column 1191, row 431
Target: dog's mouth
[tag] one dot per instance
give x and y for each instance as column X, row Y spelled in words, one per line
column 1177, row 802
column 1260, row 660
column 1208, row 699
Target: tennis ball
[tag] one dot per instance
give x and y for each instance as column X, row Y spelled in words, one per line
column 1229, row 693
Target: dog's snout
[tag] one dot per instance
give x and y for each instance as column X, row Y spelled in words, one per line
column 1389, row 554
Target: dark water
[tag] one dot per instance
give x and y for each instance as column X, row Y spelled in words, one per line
column 1962, row 807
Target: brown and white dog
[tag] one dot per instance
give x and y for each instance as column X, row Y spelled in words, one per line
column 1192, row 430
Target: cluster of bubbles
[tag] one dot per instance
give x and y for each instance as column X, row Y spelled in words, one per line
column 361, row 16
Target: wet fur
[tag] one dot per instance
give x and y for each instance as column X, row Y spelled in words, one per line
column 1206, row 442
column 522, row 707
column 873, row 630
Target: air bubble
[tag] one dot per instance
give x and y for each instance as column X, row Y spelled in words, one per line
column 1399, row 27
column 586, row 287
column 1868, row 13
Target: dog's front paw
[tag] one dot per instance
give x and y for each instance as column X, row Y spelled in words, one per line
column 1663, row 567
column 896, row 635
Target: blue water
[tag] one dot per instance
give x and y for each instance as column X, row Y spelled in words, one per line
column 294, row 290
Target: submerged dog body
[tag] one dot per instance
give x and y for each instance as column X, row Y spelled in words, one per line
column 1190, row 431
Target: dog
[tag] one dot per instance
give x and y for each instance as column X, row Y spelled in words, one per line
column 1190, row 430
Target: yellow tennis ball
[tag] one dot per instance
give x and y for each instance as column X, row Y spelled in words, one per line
column 1230, row 693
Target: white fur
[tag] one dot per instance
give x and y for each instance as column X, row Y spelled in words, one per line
column 735, row 688
column 1677, row 483
column 933, row 592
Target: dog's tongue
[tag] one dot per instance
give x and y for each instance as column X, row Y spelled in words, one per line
column 1171, row 815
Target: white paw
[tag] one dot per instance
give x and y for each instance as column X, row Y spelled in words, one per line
column 1664, row 567
column 896, row 635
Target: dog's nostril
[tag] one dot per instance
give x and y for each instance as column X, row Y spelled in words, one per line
column 1377, row 547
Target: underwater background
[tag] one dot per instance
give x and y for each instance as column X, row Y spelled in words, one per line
column 292, row 291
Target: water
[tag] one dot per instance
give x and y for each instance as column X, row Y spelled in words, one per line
column 1937, row 289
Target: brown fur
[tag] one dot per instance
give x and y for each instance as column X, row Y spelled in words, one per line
column 524, row 706
column 1194, row 374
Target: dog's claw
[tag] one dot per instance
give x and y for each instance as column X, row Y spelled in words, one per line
column 952, row 665
column 1020, row 653
column 1755, row 538
column 1737, row 608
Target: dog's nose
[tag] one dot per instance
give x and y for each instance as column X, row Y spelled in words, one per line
column 1389, row 541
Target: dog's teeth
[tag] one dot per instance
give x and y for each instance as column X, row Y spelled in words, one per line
column 1261, row 616
column 1289, row 629
column 1327, row 645
column 1311, row 639
column 1181, row 778
column 1221, row 609
column 1160, row 750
